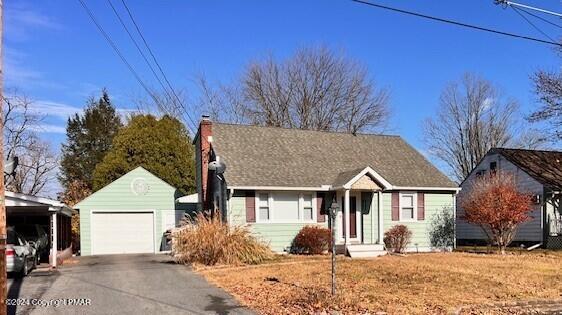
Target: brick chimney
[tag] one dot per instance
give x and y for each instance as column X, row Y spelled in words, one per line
column 206, row 138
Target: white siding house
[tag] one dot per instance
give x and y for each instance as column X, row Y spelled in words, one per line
column 525, row 165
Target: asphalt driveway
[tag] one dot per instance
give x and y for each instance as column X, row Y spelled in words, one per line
column 123, row 284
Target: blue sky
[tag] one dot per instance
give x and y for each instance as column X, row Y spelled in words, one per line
column 56, row 56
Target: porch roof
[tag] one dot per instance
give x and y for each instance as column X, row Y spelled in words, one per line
column 17, row 201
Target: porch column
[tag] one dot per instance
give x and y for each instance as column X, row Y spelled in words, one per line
column 380, row 212
column 373, row 216
column 346, row 216
column 54, row 230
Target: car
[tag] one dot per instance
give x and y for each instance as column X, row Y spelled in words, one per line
column 35, row 234
column 20, row 254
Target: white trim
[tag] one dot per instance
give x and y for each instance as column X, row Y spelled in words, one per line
column 425, row 188
column 372, row 212
column 54, row 241
column 193, row 198
column 380, row 214
column 332, row 188
column 414, row 205
column 340, row 238
column 346, row 208
column 370, row 171
column 283, row 188
column 153, row 211
column 271, row 206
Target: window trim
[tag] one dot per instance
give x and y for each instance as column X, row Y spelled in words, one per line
column 271, row 203
column 414, row 205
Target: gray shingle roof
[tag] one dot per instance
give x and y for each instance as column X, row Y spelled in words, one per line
column 268, row 156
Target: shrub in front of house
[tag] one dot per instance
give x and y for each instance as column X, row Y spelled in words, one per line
column 397, row 238
column 442, row 229
column 209, row 241
column 311, row 240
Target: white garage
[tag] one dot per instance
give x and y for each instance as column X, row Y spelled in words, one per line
column 115, row 232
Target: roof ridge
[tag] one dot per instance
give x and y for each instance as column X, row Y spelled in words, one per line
column 308, row 130
column 526, row 150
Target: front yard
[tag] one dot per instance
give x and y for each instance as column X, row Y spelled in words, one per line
column 414, row 284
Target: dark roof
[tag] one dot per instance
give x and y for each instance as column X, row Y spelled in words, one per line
column 269, row 156
column 544, row 166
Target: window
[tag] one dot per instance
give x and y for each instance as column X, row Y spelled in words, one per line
column 308, row 213
column 263, row 204
column 408, row 206
column 285, row 207
column 493, row 166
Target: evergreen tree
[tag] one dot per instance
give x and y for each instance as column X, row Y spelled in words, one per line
column 162, row 146
column 88, row 138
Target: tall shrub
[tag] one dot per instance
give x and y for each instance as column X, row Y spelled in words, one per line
column 442, row 229
column 495, row 203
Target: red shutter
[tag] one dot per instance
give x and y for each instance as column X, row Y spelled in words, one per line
column 320, row 212
column 421, row 206
column 395, row 205
column 250, row 206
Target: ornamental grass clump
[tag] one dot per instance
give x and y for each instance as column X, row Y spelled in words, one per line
column 209, row 241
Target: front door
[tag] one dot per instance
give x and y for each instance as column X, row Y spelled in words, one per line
column 352, row 217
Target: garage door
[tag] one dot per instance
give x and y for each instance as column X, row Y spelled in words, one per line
column 122, row 233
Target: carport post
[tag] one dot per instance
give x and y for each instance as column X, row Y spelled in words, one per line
column 54, row 239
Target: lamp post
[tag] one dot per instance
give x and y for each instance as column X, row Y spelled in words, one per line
column 333, row 212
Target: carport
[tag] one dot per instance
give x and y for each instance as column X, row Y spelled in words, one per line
column 53, row 215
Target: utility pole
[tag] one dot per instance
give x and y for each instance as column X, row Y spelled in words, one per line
column 506, row 3
column 3, row 236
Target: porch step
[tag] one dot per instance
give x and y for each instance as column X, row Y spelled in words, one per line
column 365, row 250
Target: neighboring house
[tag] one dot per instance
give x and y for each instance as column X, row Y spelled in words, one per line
column 130, row 215
column 536, row 172
column 279, row 180
column 51, row 215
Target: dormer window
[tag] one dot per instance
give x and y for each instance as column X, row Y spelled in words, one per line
column 493, row 166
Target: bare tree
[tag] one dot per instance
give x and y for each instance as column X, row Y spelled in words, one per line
column 472, row 118
column 314, row 89
column 548, row 87
column 37, row 162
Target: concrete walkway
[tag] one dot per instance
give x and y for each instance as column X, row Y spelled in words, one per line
column 129, row 284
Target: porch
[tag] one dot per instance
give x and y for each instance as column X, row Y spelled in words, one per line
column 359, row 223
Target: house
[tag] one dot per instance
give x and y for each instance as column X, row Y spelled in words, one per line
column 536, row 172
column 52, row 215
column 129, row 215
column 277, row 180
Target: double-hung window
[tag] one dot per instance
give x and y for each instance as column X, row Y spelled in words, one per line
column 308, row 209
column 263, row 205
column 408, row 204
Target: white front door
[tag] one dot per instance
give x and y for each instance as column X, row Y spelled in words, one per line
column 122, row 232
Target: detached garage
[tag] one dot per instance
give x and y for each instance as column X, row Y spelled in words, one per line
column 128, row 216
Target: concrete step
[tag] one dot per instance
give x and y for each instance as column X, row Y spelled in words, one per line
column 365, row 250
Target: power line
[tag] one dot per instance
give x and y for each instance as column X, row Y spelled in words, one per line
column 139, row 49
column 480, row 28
column 531, row 23
column 116, row 49
column 158, row 64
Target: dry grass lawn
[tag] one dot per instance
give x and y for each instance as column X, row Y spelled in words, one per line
column 414, row 284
